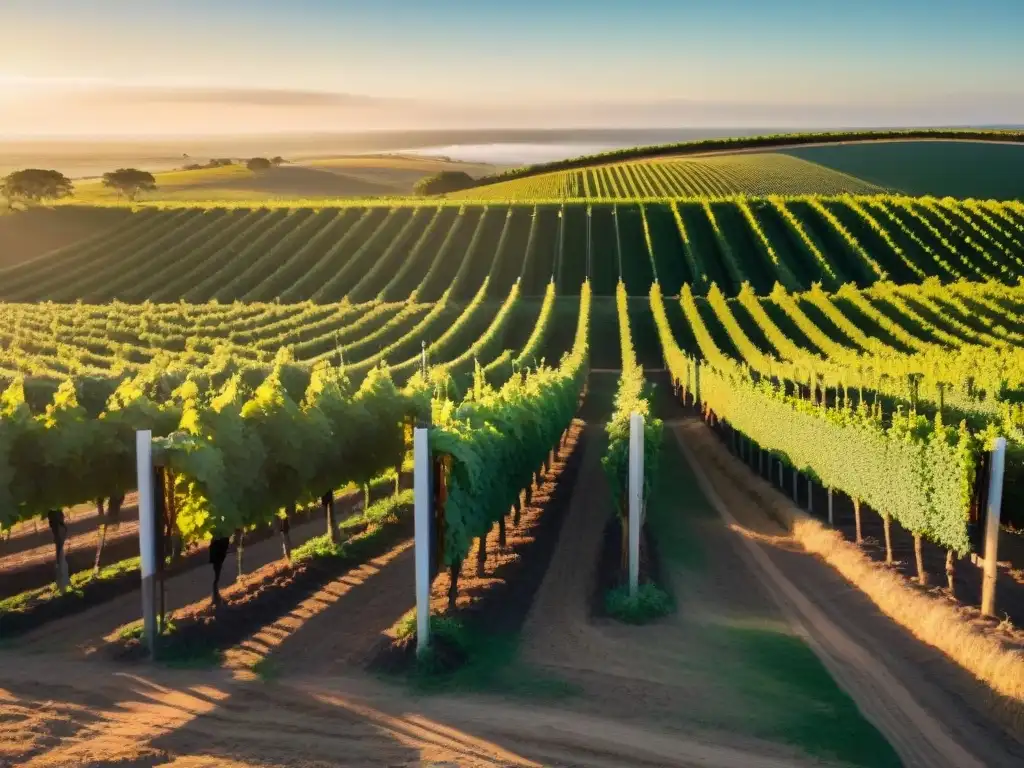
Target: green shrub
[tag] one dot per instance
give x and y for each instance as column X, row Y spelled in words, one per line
column 651, row 602
column 443, row 182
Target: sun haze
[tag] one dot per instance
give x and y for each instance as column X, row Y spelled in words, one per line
column 115, row 67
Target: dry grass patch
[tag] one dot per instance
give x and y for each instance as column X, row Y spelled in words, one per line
column 992, row 652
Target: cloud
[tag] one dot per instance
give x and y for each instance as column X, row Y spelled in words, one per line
column 229, row 96
column 34, row 106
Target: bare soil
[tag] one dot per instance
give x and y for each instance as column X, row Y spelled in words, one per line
column 28, row 234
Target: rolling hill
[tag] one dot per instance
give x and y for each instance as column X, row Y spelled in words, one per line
column 712, row 177
column 941, row 168
column 316, row 178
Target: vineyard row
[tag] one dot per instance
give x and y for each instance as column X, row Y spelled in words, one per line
column 429, row 254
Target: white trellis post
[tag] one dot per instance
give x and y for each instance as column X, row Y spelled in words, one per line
column 422, row 514
column 147, row 535
column 995, row 501
column 636, row 496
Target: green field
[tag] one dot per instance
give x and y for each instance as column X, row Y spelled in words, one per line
column 712, row 177
column 939, row 168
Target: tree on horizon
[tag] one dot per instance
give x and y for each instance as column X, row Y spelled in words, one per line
column 129, row 182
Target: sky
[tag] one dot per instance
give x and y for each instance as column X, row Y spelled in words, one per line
column 168, row 67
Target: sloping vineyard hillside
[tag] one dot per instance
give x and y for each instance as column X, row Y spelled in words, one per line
column 712, row 177
column 114, row 342
column 390, row 253
column 940, row 168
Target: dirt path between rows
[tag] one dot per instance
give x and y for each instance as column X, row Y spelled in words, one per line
column 642, row 677
column 926, row 706
column 339, row 627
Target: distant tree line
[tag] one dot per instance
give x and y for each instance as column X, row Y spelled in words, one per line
column 35, row 185
column 216, row 162
column 443, row 183
column 261, row 163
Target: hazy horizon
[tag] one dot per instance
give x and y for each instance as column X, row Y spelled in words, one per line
column 114, row 68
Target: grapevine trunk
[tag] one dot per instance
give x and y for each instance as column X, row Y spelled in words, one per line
column 59, row 529
column 218, row 554
column 327, row 501
column 481, row 556
column 239, row 551
column 922, row 574
column 102, row 529
column 286, row 536
column 453, row 584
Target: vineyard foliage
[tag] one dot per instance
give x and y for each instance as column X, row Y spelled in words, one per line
column 246, row 431
column 890, row 395
column 445, row 250
column 710, row 177
column 240, row 457
column 632, row 396
column 497, row 438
